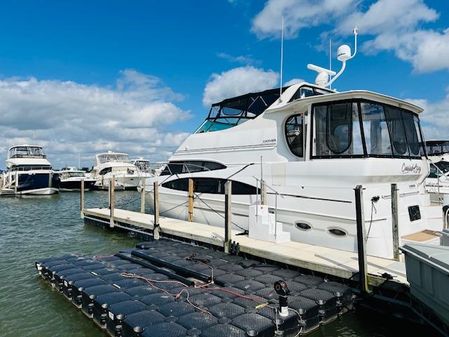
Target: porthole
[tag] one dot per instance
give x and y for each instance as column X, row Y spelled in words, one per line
column 337, row 232
column 303, row 226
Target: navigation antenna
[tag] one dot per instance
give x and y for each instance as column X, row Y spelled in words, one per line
column 282, row 59
column 326, row 77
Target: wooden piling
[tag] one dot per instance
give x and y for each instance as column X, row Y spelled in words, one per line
column 361, row 240
column 82, row 198
column 142, row 197
column 228, row 216
column 395, row 220
column 112, row 200
column 16, row 182
column 156, row 226
column 190, row 203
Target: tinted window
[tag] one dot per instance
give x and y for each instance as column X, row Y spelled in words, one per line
column 210, row 185
column 190, row 167
column 294, row 131
column 337, row 130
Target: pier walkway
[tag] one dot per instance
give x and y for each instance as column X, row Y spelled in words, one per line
column 328, row 261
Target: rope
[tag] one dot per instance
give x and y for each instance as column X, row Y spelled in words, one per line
column 205, row 203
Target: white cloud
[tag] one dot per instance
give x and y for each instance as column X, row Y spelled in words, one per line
column 70, row 118
column 396, row 26
column 242, row 59
column 434, row 119
column 238, row 81
column 386, row 25
column 298, row 14
column 293, row 81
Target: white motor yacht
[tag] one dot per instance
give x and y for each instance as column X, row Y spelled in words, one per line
column 28, row 172
column 127, row 175
column 70, row 178
column 311, row 146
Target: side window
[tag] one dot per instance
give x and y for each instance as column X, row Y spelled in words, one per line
column 210, row 186
column 190, row 167
column 339, row 127
column 294, row 132
column 105, row 170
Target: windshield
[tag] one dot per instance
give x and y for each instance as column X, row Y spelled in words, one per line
column 362, row 128
column 237, row 110
column 26, row 151
column 108, row 157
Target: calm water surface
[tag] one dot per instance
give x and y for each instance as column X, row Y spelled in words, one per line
column 32, row 228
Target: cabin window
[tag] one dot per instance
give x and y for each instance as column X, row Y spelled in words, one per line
column 390, row 131
column 105, row 171
column 360, row 128
column 179, row 167
column 294, row 131
column 337, row 131
column 210, row 185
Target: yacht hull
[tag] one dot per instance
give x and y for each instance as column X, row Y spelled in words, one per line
column 311, row 221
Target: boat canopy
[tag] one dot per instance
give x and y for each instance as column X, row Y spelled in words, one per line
column 112, row 157
column 437, row 147
column 237, row 110
column 26, row 151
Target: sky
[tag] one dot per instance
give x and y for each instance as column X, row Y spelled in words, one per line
column 87, row 76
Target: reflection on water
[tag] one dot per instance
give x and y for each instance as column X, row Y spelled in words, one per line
column 36, row 227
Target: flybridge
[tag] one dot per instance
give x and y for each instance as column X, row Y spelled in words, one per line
column 237, row 110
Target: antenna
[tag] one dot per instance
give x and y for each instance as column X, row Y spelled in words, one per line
column 330, row 57
column 326, row 77
column 282, row 58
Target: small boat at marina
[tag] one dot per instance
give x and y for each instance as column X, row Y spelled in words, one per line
column 116, row 164
column 144, row 166
column 70, row 179
column 28, row 172
column 437, row 182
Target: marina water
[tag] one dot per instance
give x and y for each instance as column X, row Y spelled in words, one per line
column 40, row 227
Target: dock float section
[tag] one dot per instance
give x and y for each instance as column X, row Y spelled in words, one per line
column 167, row 288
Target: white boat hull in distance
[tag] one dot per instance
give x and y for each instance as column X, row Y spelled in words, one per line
column 40, row 191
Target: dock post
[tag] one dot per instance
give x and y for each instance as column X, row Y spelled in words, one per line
column 111, row 200
column 228, row 218
column 190, row 204
column 16, row 182
column 142, row 197
column 395, row 220
column 263, row 192
column 156, row 226
column 361, row 239
column 82, row 198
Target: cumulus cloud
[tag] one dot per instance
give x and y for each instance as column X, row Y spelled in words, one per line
column 397, row 26
column 298, row 14
column 238, row 81
column 72, row 119
column 241, row 59
column 434, row 119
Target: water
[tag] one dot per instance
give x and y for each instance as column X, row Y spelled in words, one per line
column 34, row 228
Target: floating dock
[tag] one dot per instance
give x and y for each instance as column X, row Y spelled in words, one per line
column 324, row 260
column 167, row 288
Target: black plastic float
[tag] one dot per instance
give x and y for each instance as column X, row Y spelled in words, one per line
column 168, row 288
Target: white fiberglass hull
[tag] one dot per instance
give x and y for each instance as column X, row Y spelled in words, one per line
column 308, row 220
column 40, row 191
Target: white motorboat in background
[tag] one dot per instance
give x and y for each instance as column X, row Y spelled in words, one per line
column 311, row 146
column 437, row 150
column 28, row 172
column 70, row 178
column 127, row 175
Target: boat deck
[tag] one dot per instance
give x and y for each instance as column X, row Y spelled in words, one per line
column 329, row 261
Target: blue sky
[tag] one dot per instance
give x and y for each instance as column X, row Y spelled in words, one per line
column 82, row 77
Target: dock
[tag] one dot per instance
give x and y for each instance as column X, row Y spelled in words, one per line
column 169, row 288
column 339, row 263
